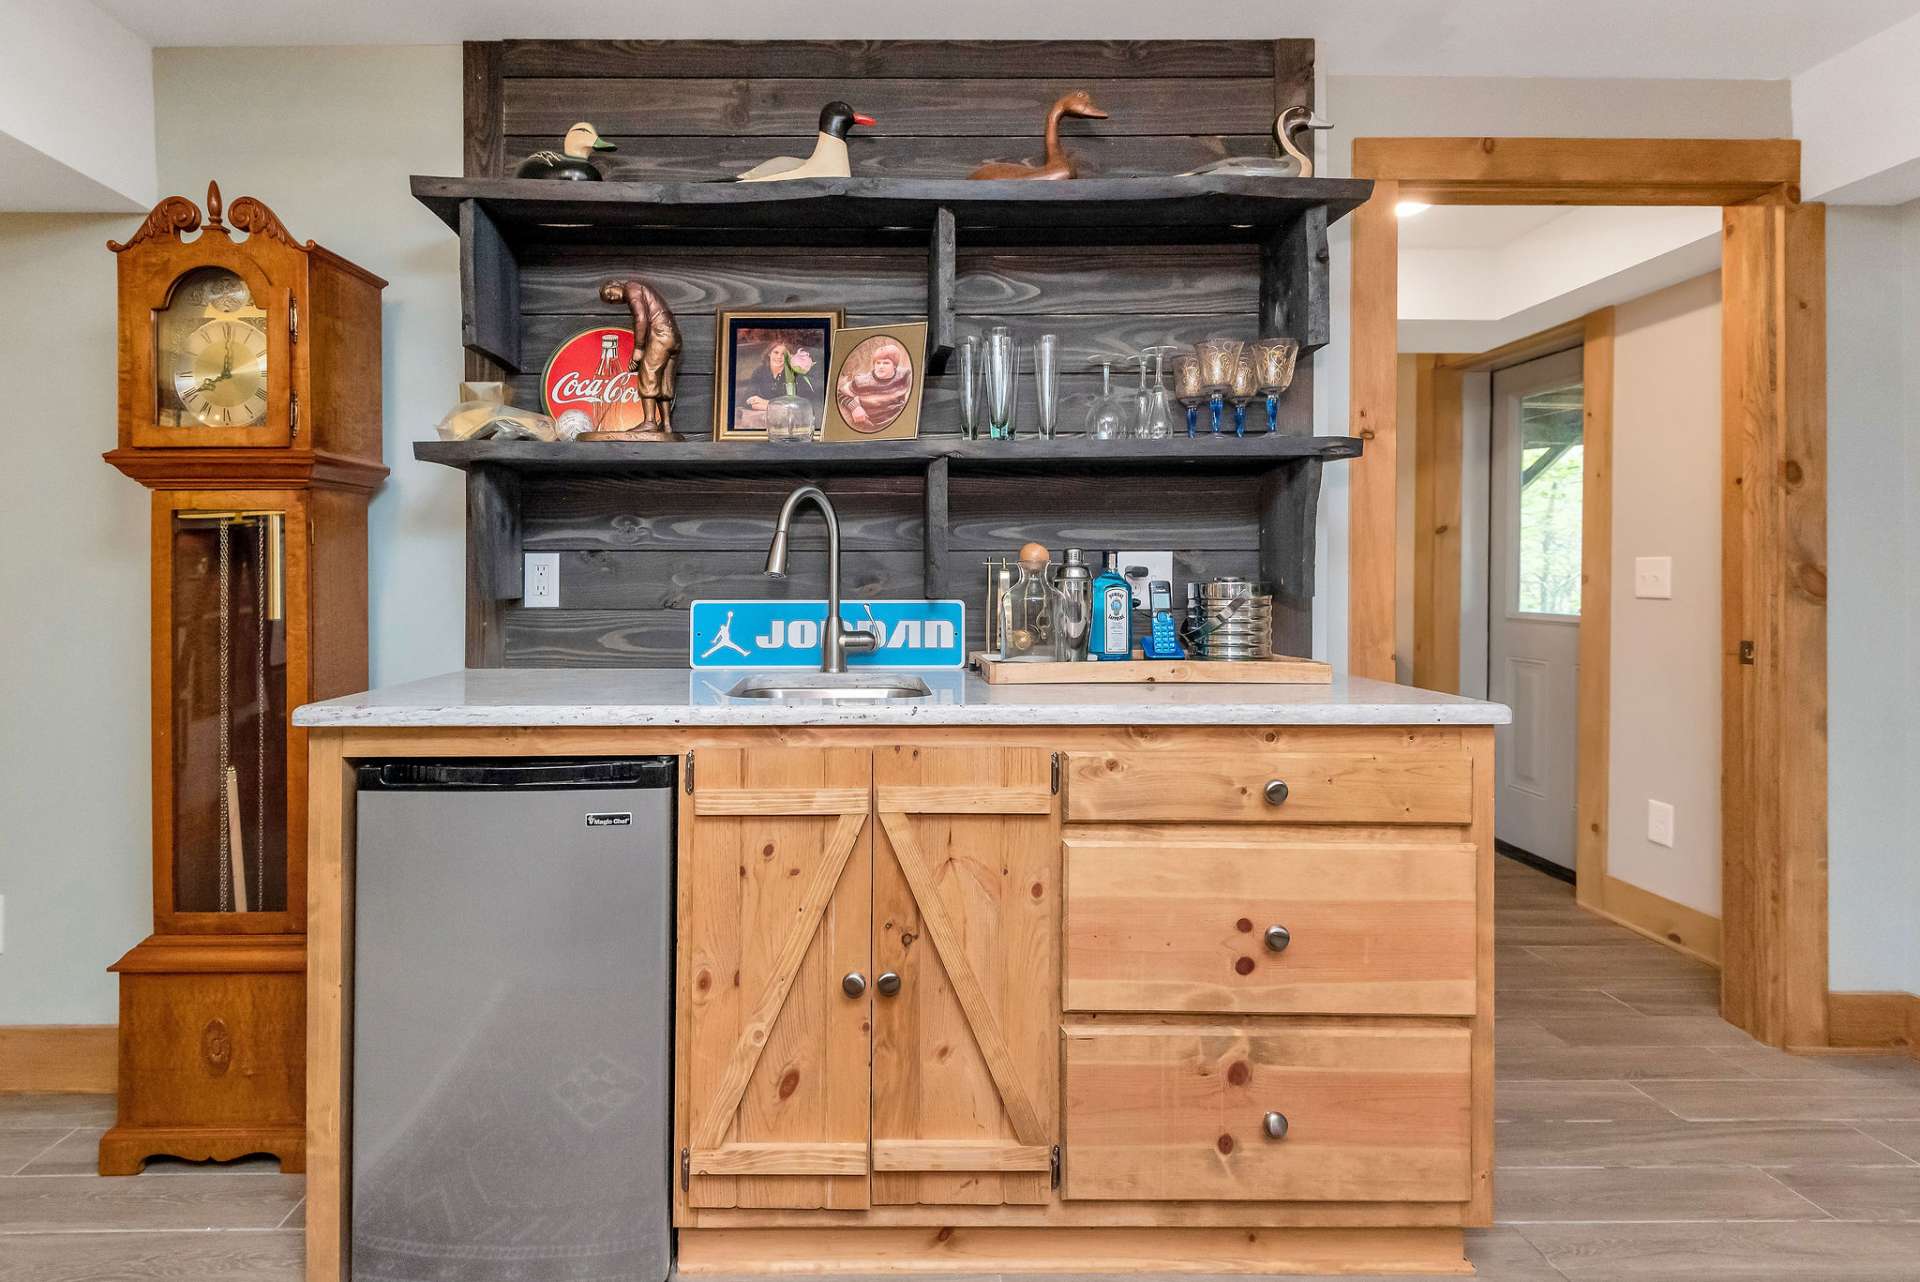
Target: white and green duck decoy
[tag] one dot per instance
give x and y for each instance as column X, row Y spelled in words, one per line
column 1295, row 159
column 570, row 162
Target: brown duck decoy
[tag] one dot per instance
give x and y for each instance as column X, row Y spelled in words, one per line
column 1058, row 164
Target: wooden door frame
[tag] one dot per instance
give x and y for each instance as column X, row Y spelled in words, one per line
column 1773, row 534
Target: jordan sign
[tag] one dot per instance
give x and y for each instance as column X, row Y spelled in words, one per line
column 593, row 372
column 786, row 634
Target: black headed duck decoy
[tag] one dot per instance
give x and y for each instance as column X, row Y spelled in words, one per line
column 1295, row 160
column 570, row 162
column 829, row 158
column 1058, row 164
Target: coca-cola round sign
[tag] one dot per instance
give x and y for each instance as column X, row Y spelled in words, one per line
column 593, row 372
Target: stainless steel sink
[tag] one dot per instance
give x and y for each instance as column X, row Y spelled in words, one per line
column 819, row 688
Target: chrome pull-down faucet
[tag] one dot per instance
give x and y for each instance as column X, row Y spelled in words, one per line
column 837, row 640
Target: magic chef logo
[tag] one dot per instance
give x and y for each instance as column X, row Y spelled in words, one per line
column 610, row 819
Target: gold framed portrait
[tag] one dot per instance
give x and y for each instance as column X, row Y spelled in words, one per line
column 879, row 378
column 763, row 361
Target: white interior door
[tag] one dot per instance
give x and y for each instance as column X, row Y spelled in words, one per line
column 1533, row 642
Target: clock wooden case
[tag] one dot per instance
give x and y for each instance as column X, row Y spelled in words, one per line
column 250, row 406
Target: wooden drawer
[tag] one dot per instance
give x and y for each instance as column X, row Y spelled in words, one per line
column 1181, row 926
column 1371, row 1114
column 1232, row 787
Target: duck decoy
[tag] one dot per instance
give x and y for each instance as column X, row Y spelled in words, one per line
column 1058, row 164
column 1295, row 160
column 570, row 162
column 829, row 158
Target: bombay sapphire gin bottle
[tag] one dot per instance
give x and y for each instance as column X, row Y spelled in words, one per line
column 1111, row 638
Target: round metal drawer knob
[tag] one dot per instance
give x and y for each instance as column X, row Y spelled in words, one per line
column 1278, row 937
column 854, row 985
column 1276, row 791
column 1275, row 1125
column 888, row 983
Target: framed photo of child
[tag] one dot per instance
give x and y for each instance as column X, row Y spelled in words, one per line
column 764, row 362
column 879, row 377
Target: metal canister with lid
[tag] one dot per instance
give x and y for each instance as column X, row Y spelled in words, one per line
column 1236, row 620
column 1072, row 607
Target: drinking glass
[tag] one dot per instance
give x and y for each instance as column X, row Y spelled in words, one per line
column 1003, row 371
column 1219, row 360
column 1188, row 387
column 1243, row 389
column 1137, row 420
column 1107, row 418
column 970, row 387
column 1156, row 420
column 1046, row 382
column 1273, row 365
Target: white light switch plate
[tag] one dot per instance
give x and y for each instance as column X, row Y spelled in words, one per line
column 541, row 588
column 1660, row 823
column 1653, row 577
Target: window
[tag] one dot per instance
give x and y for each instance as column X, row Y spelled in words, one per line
column 1552, row 423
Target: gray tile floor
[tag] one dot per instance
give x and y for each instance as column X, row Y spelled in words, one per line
column 1639, row 1138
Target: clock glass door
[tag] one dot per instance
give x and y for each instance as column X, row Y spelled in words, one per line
column 229, row 716
column 213, row 368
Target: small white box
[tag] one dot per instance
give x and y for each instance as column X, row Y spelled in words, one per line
column 1660, row 823
column 1653, row 577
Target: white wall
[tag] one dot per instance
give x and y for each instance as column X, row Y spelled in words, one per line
column 344, row 128
column 55, row 153
column 1665, row 717
column 1873, row 586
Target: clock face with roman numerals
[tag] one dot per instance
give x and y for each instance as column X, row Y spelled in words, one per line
column 211, row 342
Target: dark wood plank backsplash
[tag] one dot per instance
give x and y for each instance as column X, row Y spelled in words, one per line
column 636, row 551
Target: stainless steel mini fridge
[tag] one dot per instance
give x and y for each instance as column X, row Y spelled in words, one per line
column 512, row 1020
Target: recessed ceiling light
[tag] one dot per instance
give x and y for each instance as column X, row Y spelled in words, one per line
column 1411, row 208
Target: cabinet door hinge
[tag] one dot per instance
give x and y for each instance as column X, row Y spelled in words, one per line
column 1056, row 774
column 293, row 320
column 689, row 780
column 1746, row 652
column 1053, row 1164
column 293, row 417
column 686, row 1169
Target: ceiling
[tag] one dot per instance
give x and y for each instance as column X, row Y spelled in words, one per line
column 1474, row 226
column 1707, row 39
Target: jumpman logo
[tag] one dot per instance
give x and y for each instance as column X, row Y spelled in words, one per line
column 723, row 640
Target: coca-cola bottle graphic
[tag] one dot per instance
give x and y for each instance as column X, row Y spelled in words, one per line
column 610, row 381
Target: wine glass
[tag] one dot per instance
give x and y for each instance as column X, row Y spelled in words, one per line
column 1003, row 370
column 1107, row 417
column 1243, row 389
column 1273, row 365
column 1138, row 422
column 1156, row 420
column 1219, row 360
column 1190, row 390
column 970, row 387
column 1046, row 381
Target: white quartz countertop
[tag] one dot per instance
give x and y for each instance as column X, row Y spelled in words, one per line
column 677, row 697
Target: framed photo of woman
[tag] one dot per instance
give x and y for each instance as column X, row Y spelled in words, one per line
column 770, row 369
column 879, row 377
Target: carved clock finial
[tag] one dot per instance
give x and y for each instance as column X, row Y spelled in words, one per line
column 174, row 216
column 213, row 205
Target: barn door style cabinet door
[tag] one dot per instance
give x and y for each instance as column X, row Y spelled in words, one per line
column 250, row 406
column 870, row 958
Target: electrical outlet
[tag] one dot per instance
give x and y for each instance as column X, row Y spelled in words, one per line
column 1157, row 565
column 1660, row 823
column 1653, row 577
column 541, row 588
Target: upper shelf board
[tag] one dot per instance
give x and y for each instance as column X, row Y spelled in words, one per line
column 1211, row 209
column 1075, row 454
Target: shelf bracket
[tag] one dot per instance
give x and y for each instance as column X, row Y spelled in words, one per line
column 941, row 252
column 1293, row 281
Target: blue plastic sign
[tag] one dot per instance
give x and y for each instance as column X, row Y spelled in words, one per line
column 786, row 634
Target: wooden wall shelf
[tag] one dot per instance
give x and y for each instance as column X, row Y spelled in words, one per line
column 738, row 458
column 503, row 220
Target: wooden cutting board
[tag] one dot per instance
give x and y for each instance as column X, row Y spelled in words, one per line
column 1279, row 670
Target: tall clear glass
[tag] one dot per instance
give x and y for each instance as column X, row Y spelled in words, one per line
column 1003, row 371
column 1046, row 382
column 970, row 387
column 1156, row 420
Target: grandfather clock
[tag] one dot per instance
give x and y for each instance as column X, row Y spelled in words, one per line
column 250, row 406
